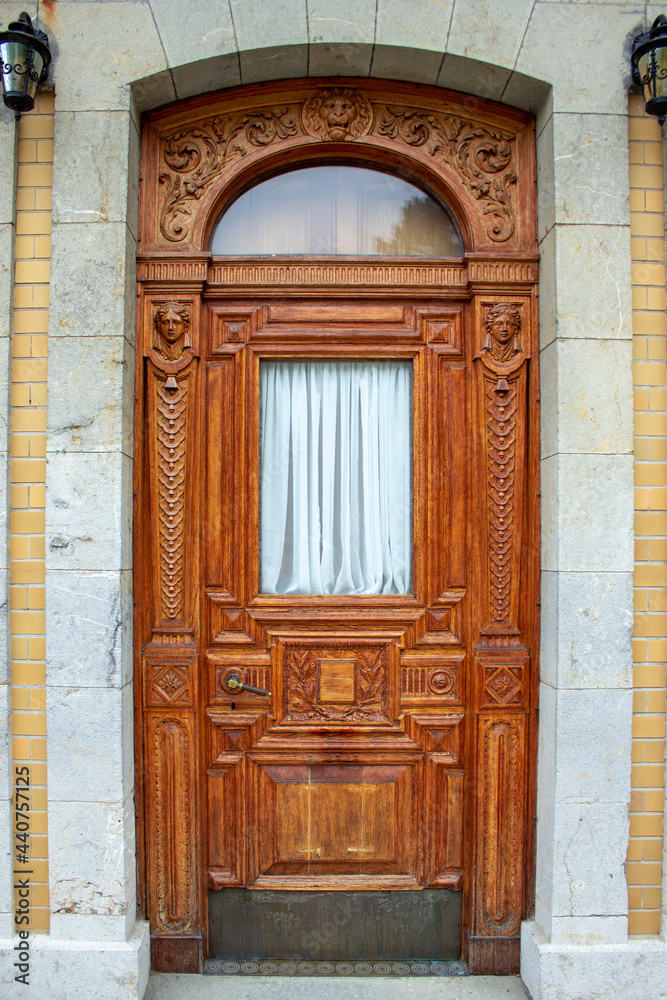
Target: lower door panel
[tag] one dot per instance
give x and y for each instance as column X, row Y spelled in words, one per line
column 335, row 926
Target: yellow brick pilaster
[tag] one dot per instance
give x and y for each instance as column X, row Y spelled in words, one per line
column 28, row 477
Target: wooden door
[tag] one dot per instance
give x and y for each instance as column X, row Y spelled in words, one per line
column 395, row 752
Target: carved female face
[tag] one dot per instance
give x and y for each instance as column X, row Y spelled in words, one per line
column 170, row 325
column 504, row 326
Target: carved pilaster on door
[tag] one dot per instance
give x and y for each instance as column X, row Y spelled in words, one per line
column 496, row 912
column 171, row 407
column 171, row 828
column 171, row 342
column 501, row 430
column 501, row 348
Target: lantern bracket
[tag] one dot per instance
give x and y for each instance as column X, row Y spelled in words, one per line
column 24, row 61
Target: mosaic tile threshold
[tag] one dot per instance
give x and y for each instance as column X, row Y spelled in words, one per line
column 225, row 967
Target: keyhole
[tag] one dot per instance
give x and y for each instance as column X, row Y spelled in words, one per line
column 233, row 706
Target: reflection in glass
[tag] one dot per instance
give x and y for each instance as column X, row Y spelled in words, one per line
column 336, row 477
column 336, row 210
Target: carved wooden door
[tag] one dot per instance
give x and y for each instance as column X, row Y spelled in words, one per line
column 393, row 754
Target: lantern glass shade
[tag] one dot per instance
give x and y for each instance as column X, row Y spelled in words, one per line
column 21, row 70
column 652, row 70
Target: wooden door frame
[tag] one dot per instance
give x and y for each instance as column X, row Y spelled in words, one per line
column 478, row 157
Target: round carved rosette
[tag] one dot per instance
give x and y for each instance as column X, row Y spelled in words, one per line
column 442, row 681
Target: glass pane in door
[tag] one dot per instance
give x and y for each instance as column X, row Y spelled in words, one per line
column 336, row 443
column 332, row 210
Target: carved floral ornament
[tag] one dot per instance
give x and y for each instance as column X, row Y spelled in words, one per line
column 482, row 158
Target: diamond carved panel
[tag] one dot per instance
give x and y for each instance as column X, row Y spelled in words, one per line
column 502, row 683
column 168, row 684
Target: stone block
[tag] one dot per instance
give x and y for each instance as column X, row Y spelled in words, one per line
column 93, row 926
column 414, row 24
column 8, row 136
column 593, row 282
column 549, row 512
column 339, row 59
column 489, row 30
column 354, row 23
column 278, row 23
column 89, row 511
column 591, row 169
column 562, row 38
column 88, row 628
column 592, row 739
column 91, row 164
column 150, row 92
column 595, row 524
column 193, row 31
column 88, row 872
column 84, row 35
column 548, row 288
column 84, row 744
column 549, row 385
column 590, row 846
column 472, row 77
column 586, row 636
column 546, row 184
column 416, row 65
column 273, row 63
column 207, row 75
column 88, row 280
column 6, row 257
column 530, row 93
column 548, row 626
column 589, row 931
column 620, row 970
column 546, row 783
column 90, row 394
column 586, row 397
column 64, row 970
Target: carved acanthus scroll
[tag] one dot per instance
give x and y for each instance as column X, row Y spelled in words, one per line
column 196, row 156
column 481, row 158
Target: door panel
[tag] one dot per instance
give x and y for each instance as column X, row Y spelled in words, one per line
column 333, row 825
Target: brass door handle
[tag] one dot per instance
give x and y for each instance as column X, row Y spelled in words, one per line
column 234, row 683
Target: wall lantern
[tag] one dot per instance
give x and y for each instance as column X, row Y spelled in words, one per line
column 649, row 67
column 24, row 58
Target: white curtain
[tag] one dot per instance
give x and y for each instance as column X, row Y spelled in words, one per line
column 336, row 477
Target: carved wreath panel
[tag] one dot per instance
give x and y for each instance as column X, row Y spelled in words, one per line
column 334, row 684
column 478, row 156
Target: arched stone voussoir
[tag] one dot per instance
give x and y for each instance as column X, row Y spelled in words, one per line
column 475, row 79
